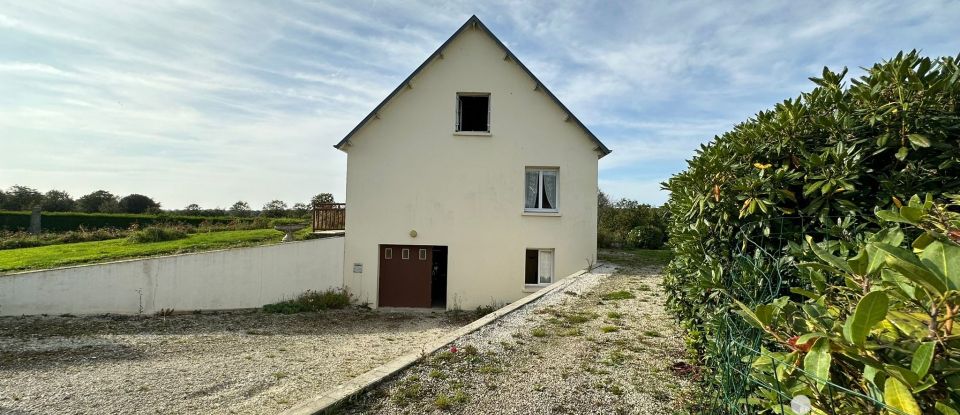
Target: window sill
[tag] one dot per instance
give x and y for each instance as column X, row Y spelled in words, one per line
column 540, row 213
column 532, row 288
column 473, row 133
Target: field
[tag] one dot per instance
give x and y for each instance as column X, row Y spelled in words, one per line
column 114, row 249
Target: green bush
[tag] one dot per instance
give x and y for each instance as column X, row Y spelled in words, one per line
column 646, row 237
column 816, row 165
column 617, row 223
column 71, row 221
column 157, row 234
column 287, row 221
column 16, row 240
column 311, row 301
column 882, row 322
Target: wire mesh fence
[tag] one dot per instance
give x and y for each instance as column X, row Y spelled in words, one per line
column 748, row 369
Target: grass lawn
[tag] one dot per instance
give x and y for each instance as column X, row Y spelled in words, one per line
column 636, row 257
column 86, row 252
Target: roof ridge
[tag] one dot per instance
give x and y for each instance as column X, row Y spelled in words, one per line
column 476, row 20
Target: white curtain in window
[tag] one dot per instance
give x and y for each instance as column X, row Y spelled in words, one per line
column 533, row 185
column 549, row 190
column 546, row 267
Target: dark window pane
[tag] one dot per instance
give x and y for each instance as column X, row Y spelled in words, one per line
column 474, row 111
column 531, row 270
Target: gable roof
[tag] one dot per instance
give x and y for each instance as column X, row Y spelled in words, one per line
column 474, row 20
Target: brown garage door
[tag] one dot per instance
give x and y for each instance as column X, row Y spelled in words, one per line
column 405, row 275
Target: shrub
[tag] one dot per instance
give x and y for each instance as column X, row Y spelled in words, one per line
column 156, row 234
column 72, row 221
column 816, row 165
column 646, row 237
column 617, row 221
column 286, row 221
column 311, row 301
column 15, row 240
column 880, row 322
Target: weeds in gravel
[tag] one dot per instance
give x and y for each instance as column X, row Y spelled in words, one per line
column 618, row 295
column 614, row 315
column 436, row 374
column 490, row 368
column 651, row 333
column 408, row 390
column 609, row 329
column 538, row 332
column 279, row 375
column 460, row 397
column 442, row 402
column 311, row 301
column 617, row 357
column 571, row 332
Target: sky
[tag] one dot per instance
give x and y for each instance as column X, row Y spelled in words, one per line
column 211, row 102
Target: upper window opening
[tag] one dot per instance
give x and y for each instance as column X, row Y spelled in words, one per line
column 541, row 190
column 473, row 112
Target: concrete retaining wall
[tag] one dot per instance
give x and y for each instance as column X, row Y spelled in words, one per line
column 227, row 279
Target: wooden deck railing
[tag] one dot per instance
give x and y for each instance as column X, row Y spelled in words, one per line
column 329, row 216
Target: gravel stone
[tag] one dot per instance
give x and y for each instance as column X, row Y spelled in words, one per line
column 230, row 362
column 569, row 352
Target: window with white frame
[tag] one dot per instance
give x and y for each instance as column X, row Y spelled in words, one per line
column 540, row 186
column 539, row 269
column 473, row 112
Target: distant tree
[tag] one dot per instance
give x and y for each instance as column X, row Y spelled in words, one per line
column 192, row 209
column 110, row 206
column 274, row 209
column 217, row 211
column 3, row 200
column 136, row 203
column 58, row 201
column 300, row 210
column 98, row 201
column 240, row 208
column 628, row 223
column 22, row 198
column 321, row 199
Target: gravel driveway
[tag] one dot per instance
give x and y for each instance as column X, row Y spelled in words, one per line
column 233, row 362
column 604, row 344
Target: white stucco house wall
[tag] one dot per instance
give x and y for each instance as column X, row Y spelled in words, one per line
column 470, row 184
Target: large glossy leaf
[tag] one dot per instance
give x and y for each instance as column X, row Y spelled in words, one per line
column 946, row 409
column 944, row 260
column 919, row 140
column 897, row 396
column 838, row 263
column 922, row 358
column 817, row 362
column 910, row 267
column 871, row 310
column 749, row 315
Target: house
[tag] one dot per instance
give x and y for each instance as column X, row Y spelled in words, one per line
column 470, row 184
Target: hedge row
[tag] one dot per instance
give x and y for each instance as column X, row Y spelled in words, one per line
column 816, row 165
column 70, row 221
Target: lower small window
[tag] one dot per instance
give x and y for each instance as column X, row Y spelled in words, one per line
column 405, row 253
column 423, row 254
column 388, row 253
column 539, row 267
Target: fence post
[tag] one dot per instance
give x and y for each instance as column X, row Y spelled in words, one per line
column 35, row 221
